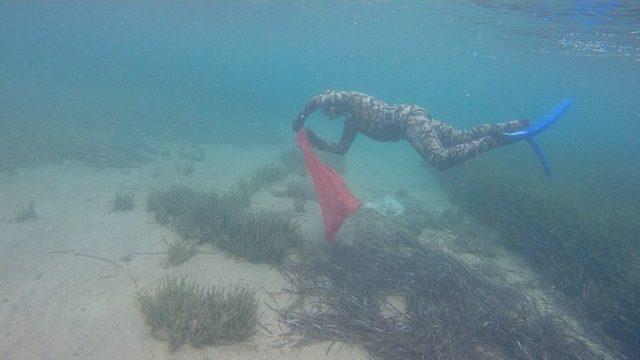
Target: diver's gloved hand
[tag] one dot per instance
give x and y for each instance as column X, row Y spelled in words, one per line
column 314, row 140
column 297, row 123
column 498, row 131
column 498, row 136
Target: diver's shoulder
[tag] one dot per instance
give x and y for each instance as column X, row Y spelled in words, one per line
column 347, row 95
column 332, row 95
column 338, row 92
column 344, row 92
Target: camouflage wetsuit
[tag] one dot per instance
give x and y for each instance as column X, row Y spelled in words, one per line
column 438, row 143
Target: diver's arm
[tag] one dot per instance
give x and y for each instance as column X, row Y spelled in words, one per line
column 330, row 97
column 340, row 148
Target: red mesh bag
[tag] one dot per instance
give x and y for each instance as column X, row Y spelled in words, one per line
column 335, row 198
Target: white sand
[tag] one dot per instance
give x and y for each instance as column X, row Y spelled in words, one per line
column 64, row 305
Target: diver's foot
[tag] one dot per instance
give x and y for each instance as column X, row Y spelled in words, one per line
column 524, row 123
column 498, row 132
column 515, row 125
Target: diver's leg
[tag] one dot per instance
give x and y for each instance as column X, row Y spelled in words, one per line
column 451, row 136
column 422, row 135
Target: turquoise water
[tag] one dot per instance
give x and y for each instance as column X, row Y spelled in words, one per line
column 258, row 63
column 97, row 83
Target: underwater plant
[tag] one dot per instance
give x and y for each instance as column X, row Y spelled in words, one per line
column 122, row 201
column 194, row 214
column 298, row 204
column 417, row 302
column 586, row 246
column 261, row 236
column 180, row 251
column 299, row 189
column 293, row 161
column 176, row 203
column 169, row 201
column 243, row 190
column 246, row 187
column 267, row 174
column 222, row 219
column 181, row 311
column 22, row 212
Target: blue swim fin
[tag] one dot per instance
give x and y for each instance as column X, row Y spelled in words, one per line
column 539, row 126
column 541, row 156
column 543, row 123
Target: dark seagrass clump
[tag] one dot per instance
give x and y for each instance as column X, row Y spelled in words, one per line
column 22, row 212
column 122, row 201
column 300, row 190
column 191, row 210
column 446, row 309
column 243, row 190
column 299, row 205
column 293, row 161
column 582, row 236
column 266, row 175
column 169, row 202
column 224, row 220
column 180, row 251
column 261, row 236
column 180, row 311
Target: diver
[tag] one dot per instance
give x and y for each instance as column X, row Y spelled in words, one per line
column 439, row 144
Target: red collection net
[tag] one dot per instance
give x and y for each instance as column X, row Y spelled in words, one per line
column 335, row 198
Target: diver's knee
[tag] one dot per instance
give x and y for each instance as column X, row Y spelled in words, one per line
column 440, row 163
column 340, row 151
column 442, row 167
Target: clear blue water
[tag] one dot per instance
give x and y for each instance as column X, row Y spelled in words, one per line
column 239, row 72
column 256, row 64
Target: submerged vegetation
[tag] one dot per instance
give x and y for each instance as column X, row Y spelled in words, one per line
column 224, row 220
column 586, row 246
column 268, row 174
column 180, row 311
column 388, row 286
column 400, row 299
column 299, row 205
column 293, row 161
column 179, row 204
column 180, row 251
column 261, row 236
column 259, row 179
column 262, row 177
column 122, row 201
column 22, row 212
column 299, row 189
